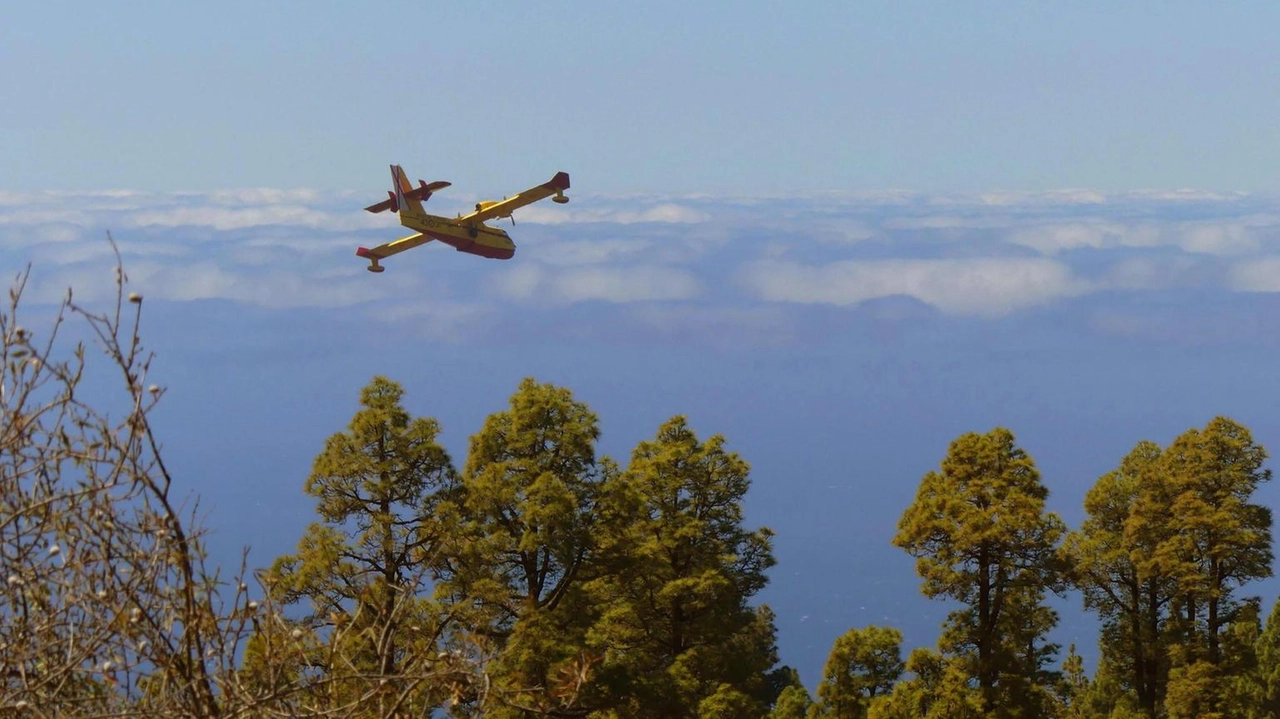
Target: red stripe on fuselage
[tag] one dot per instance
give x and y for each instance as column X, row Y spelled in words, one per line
column 473, row 247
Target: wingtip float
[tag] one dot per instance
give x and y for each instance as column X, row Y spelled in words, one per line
column 465, row 233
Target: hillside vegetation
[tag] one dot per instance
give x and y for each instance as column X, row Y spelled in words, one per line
column 538, row 578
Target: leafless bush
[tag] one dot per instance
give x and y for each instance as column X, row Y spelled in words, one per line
column 107, row 606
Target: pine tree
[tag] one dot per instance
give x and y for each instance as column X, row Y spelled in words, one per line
column 1193, row 691
column 530, row 508
column 1217, row 541
column 793, row 703
column 1267, row 651
column 1076, row 694
column 1108, row 697
column 678, row 625
column 1243, row 689
column 939, row 689
column 364, row 571
column 1132, row 597
column 864, row 664
column 980, row 535
column 728, row 702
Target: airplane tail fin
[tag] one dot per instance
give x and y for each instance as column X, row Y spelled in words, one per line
column 405, row 196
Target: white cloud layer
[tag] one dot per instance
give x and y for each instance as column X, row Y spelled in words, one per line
column 592, row 252
column 1055, row 238
column 986, row 286
column 1156, row 273
column 666, row 213
column 1205, row 238
column 644, row 283
column 1261, row 274
column 285, row 289
column 238, row 218
column 976, row 255
column 1054, row 197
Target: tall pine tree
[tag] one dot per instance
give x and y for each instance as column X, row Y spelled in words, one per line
column 938, row 689
column 1132, row 596
column 1218, row 540
column 1267, row 651
column 980, row 535
column 530, row 508
column 364, row 570
column 864, row 664
column 679, row 629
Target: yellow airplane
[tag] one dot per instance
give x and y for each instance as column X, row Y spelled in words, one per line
column 464, row 233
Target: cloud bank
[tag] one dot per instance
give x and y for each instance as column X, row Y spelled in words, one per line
column 986, row 286
column 744, row 263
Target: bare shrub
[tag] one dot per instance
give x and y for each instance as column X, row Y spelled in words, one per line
column 107, row 606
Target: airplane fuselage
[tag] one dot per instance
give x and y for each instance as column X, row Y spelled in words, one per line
column 476, row 239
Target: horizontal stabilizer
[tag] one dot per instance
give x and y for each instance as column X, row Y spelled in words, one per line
column 422, row 192
column 384, row 205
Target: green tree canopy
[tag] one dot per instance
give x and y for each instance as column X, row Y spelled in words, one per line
column 1216, row 539
column 1220, row 539
column 1132, row 596
column 863, row 664
column 792, row 703
column 677, row 624
column 365, row 569
column 980, row 535
column 938, row 689
column 530, row 509
column 1267, row 651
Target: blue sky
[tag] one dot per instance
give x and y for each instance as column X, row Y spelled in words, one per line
column 707, row 97
column 840, row 235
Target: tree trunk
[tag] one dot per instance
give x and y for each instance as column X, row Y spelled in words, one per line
column 986, row 680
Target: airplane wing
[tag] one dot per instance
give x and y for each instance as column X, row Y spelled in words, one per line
column 387, row 249
column 485, row 211
column 421, row 192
